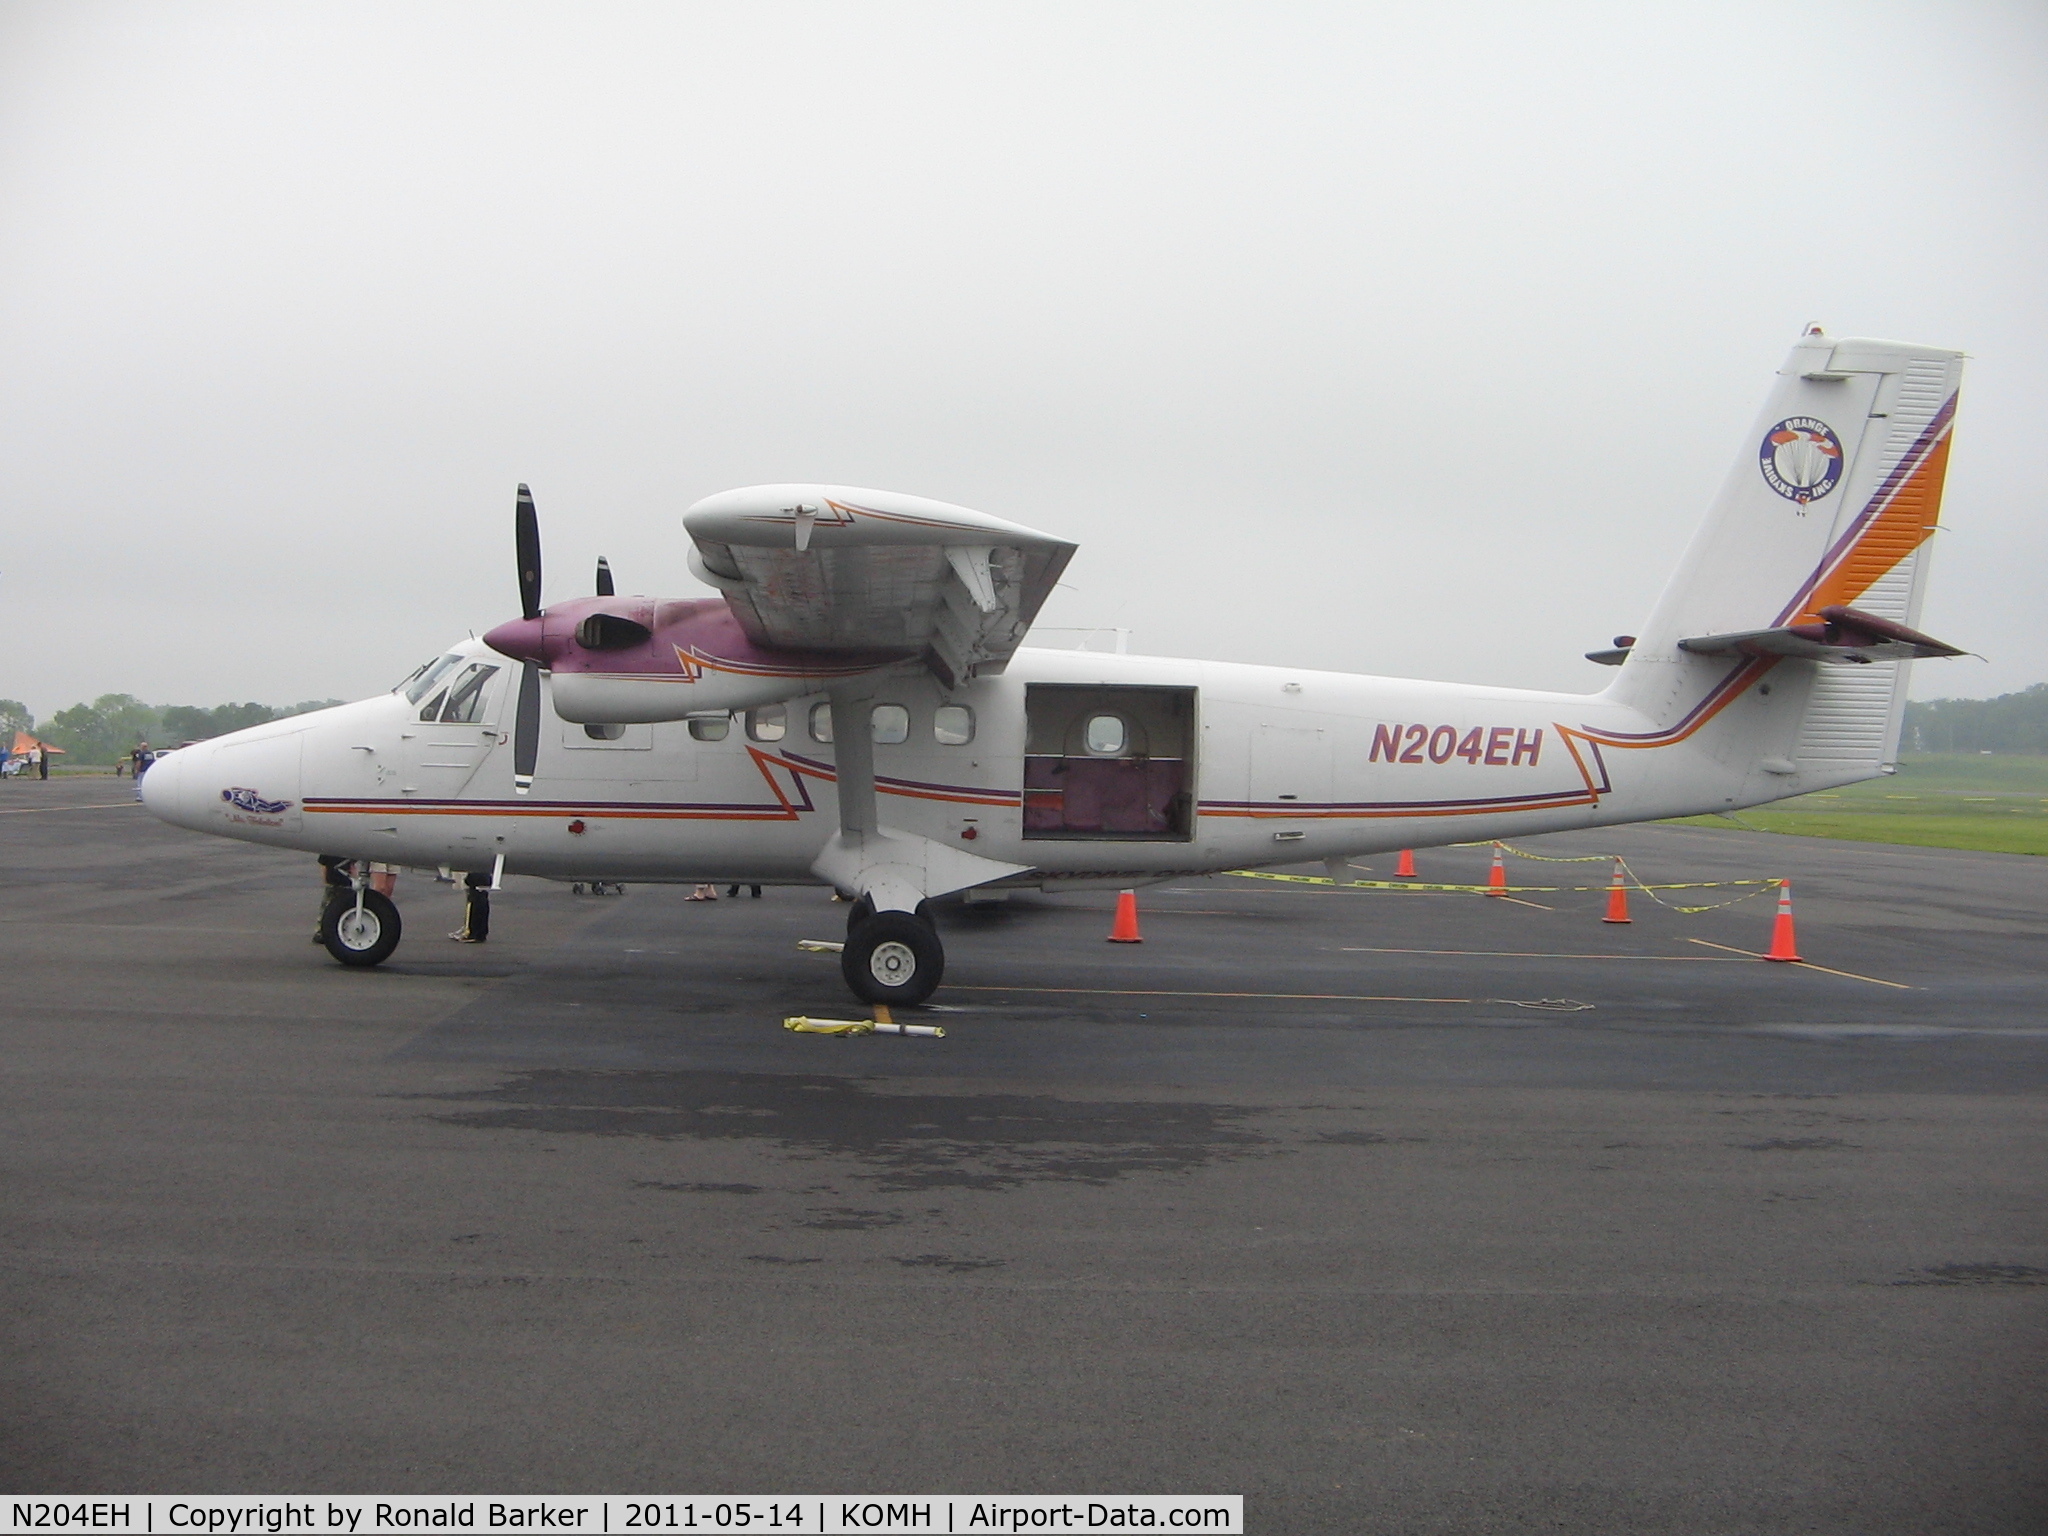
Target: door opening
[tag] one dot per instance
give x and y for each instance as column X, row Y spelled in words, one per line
column 1109, row 764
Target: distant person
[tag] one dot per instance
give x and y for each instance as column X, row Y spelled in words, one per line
column 139, row 761
column 752, row 890
column 43, row 769
column 476, row 909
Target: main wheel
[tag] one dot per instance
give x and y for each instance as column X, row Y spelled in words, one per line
column 365, row 938
column 892, row 958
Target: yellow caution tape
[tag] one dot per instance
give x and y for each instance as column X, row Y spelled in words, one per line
column 1418, row 885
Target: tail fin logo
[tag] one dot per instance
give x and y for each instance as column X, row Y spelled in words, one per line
column 1801, row 459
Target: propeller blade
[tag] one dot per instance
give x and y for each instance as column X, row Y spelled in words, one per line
column 604, row 577
column 526, row 536
column 526, row 729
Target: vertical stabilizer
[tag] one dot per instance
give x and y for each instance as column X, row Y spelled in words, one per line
column 1833, row 501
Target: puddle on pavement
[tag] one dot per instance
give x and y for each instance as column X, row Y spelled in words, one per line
column 909, row 1141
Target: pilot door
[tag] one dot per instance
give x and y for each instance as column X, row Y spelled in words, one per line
column 453, row 731
column 1107, row 764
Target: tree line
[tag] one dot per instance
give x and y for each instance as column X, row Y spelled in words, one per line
column 2012, row 722
column 115, row 724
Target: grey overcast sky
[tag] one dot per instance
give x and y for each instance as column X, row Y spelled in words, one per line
column 1383, row 338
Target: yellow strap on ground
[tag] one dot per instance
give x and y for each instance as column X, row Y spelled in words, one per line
column 844, row 1027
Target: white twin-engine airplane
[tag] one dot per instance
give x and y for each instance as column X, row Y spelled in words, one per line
column 855, row 709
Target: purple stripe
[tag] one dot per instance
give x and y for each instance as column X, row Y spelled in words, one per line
column 566, row 807
column 1010, row 796
column 1284, row 807
column 1713, row 693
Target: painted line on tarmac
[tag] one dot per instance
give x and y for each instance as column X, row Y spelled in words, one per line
column 1875, row 981
column 1303, row 997
column 105, row 805
column 1543, row 954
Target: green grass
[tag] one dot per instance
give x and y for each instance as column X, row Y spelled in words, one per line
column 1938, row 800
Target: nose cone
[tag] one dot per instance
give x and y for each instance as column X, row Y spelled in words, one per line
column 161, row 788
column 521, row 639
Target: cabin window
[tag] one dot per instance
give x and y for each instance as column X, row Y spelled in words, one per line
column 711, row 728
column 952, row 725
column 605, row 732
column 890, row 724
column 417, row 685
column 768, row 723
column 1106, row 736
column 431, row 710
column 466, row 696
column 821, row 722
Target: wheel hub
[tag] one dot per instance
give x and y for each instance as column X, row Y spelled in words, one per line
column 358, row 929
column 893, row 963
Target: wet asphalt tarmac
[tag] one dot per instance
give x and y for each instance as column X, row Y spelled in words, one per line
column 1394, row 1212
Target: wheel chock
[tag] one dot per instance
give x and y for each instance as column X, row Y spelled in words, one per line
column 819, row 946
column 848, row 1028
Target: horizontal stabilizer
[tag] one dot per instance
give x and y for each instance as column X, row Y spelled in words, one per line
column 1843, row 635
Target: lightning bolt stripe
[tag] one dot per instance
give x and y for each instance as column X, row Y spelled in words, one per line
column 1898, row 518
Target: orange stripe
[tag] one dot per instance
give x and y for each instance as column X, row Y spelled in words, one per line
column 1892, row 535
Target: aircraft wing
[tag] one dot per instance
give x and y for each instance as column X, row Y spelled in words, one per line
column 1845, row 634
column 831, row 568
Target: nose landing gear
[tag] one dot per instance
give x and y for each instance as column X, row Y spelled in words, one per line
column 360, row 927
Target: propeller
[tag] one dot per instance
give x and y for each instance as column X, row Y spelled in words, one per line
column 526, row 535
column 526, row 726
column 604, row 577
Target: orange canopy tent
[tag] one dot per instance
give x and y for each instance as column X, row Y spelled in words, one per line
column 23, row 742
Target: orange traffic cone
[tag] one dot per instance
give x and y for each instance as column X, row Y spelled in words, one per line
column 1782, row 945
column 1497, row 877
column 1617, row 899
column 1125, row 929
column 1405, row 869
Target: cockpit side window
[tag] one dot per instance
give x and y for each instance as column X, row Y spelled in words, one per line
column 417, row 685
column 466, row 695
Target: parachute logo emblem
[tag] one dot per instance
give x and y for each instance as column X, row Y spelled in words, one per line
column 1801, row 459
column 249, row 800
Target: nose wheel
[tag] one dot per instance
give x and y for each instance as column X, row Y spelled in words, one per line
column 892, row 958
column 360, row 935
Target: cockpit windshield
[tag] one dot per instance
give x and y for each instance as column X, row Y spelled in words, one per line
column 416, row 686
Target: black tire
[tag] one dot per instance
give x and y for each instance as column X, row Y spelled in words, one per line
column 369, row 942
column 894, row 959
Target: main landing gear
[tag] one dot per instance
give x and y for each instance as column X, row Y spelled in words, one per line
column 891, row 958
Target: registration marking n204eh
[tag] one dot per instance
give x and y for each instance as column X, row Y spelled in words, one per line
column 1495, row 746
